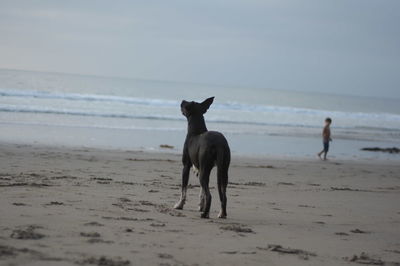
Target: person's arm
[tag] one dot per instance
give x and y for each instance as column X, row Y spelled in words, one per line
column 325, row 133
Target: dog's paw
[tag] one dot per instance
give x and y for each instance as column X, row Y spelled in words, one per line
column 179, row 205
column 205, row 215
column 222, row 215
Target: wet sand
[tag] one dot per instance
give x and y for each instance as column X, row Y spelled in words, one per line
column 64, row 206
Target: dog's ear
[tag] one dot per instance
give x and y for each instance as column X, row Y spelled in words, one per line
column 206, row 104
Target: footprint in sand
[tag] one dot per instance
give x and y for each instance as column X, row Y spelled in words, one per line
column 94, row 237
column 9, row 251
column 19, row 204
column 157, row 224
column 341, row 234
column 165, row 256
column 256, row 184
column 27, row 233
column 285, row 183
column 54, row 203
column 138, row 210
column 105, row 261
column 123, row 218
column 237, row 228
column 63, row 177
column 248, row 252
column 364, row 258
column 301, row 253
column 162, row 208
column 93, row 224
column 305, row 206
column 99, row 240
column 229, row 252
column 358, row 231
column 90, row 234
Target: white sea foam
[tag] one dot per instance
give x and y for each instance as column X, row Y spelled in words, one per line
column 85, row 97
column 156, row 103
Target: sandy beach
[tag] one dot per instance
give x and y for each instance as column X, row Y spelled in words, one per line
column 65, row 206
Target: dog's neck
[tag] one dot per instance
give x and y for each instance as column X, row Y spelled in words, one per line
column 196, row 125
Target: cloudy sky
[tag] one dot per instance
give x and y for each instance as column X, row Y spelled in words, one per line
column 336, row 46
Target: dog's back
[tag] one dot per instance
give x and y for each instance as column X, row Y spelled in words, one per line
column 212, row 147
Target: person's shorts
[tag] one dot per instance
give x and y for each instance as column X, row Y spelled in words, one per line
column 326, row 146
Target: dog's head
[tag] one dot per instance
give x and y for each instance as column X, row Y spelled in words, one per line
column 194, row 108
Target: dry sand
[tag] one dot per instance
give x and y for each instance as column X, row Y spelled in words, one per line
column 64, row 206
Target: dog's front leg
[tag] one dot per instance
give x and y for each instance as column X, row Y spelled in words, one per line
column 185, row 180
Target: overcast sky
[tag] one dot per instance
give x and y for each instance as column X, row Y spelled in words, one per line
column 336, row 46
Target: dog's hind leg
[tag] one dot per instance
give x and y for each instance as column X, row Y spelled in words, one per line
column 202, row 198
column 185, row 180
column 223, row 161
column 222, row 180
column 204, row 180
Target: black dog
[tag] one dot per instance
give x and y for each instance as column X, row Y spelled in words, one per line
column 203, row 150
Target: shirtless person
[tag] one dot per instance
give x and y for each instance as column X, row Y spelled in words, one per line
column 326, row 137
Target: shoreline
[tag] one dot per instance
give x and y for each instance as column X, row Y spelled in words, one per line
column 150, row 140
column 235, row 156
column 85, row 206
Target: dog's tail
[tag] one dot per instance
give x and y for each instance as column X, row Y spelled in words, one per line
column 223, row 160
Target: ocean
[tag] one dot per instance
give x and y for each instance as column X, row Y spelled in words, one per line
column 138, row 114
